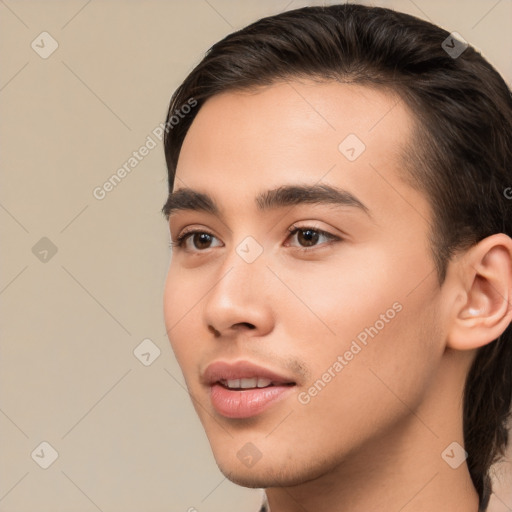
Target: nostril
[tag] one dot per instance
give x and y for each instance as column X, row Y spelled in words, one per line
column 247, row 324
column 214, row 331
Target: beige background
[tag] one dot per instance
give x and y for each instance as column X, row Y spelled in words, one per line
column 126, row 434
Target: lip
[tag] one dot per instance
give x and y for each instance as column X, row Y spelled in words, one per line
column 222, row 370
column 245, row 403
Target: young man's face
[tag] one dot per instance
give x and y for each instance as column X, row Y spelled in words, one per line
column 350, row 332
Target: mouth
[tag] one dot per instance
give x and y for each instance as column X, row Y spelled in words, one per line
column 243, row 389
column 251, row 383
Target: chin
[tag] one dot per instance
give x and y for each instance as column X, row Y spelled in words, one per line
column 259, row 479
column 269, row 474
column 251, row 481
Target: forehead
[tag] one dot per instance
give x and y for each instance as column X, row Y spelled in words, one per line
column 349, row 136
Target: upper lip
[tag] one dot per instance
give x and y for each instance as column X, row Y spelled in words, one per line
column 223, row 371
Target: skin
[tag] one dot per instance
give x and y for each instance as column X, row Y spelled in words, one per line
column 372, row 438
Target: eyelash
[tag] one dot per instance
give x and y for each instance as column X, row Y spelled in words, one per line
column 292, row 230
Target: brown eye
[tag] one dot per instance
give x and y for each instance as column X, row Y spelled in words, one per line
column 200, row 240
column 308, row 237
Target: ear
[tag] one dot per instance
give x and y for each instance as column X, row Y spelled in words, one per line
column 484, row 291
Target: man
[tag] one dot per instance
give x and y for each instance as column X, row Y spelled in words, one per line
column 338, row 296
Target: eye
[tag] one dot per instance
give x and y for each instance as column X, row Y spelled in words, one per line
column 310, row 235
column 308, row 238
column 200, row 240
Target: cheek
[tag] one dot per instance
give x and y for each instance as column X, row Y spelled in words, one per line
column 335, row 301
column 374, row 385
column 375, row 319
column 181, row 306
column 171, row 304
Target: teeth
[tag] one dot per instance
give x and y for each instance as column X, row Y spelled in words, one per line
column 248, row 383
column 263, row 383
column 234, row 383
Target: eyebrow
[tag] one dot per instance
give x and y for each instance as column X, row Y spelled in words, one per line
column 283, row 196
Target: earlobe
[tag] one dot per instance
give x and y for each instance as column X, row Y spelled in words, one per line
column 485, row 281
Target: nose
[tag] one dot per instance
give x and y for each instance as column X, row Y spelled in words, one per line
column 240, row 299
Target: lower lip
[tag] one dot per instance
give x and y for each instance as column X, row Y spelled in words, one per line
column 246, row 403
